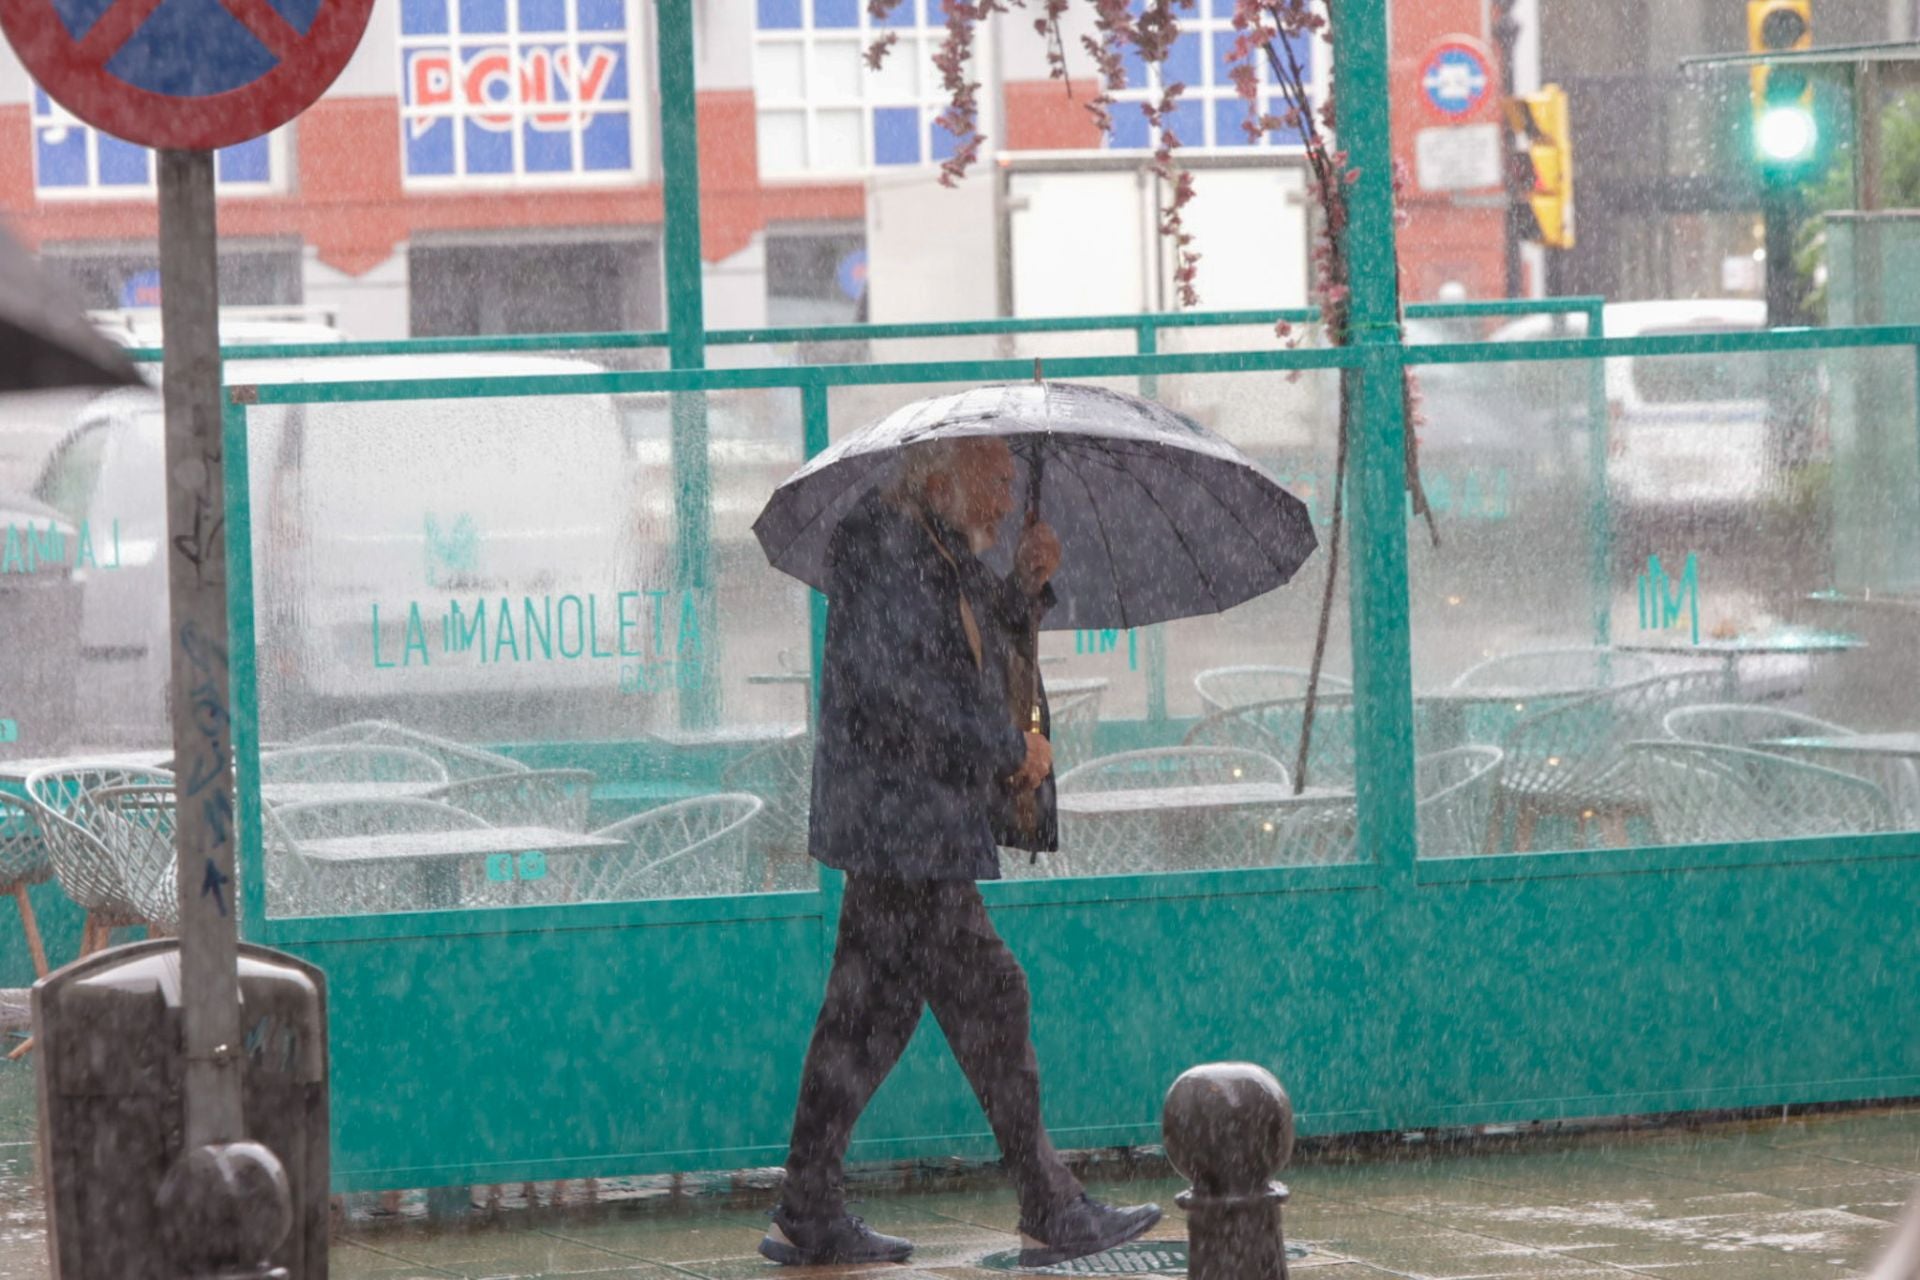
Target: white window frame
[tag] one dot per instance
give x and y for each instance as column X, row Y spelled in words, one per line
column 916, row 43
column 93, row 190
column 639, row 79
column 1203, row 26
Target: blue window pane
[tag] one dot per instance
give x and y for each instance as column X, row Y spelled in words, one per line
column 603, row 74
column 546, row 149
column 1223, row 65
column 836, row 13
column 1129, row 126
column 1223, row 8
column 423, row 17
column 248, row 161
column 429, row 148
column 489, row 70
column 907, row 14
column 1136, row 67
column 1229, row 123
column 483, row 16
column 896, row 135
column 940, row 144
column 488, row 150
column 121, row 163
column 42, row 104
column 1302, row 49
column 543, row 15
column 60, row 155
column 606, row 144
column 779, row 15
column 1293, row 136
column 1183, row 61
column 602, row 15
column 1187, row 122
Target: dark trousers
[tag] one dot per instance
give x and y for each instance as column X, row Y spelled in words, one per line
column 905, row 945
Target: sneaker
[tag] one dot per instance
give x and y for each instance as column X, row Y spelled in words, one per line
column 1083, row 1227
column 798, row 1242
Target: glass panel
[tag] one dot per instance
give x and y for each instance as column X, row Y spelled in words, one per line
column 778, row 71
column 1695, row 642
column 837, row 140
column 783, row 141
column 489, row 673
column 837, row 71
column 1176, row 744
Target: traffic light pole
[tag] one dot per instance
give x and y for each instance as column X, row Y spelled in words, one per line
column 1783, row 302
column 1506, row 35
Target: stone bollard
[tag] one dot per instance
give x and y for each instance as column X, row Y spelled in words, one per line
column 1228, row 1127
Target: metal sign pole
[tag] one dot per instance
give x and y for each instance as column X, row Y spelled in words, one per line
column 197, row 605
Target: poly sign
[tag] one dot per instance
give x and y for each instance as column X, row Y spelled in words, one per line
column 185, row 74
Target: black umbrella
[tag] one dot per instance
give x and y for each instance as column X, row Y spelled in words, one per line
column 45, row 339
column 1158, row 517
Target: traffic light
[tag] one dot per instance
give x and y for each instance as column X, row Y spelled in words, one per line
column 1785, row 134
column 1541, row 181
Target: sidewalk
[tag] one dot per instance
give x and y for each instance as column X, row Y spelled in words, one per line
column 1807, row 1197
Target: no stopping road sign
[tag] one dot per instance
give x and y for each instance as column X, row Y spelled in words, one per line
column 190, row 74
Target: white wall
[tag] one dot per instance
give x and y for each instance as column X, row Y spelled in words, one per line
column 372, row 306
column 736, row 290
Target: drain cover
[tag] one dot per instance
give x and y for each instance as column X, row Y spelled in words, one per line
column 1141, row 1258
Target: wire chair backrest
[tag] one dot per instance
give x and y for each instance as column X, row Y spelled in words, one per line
column 781, row 775
column 81, row 862
column 1700, row 793
column 1185, row 766
column 690, row 848
column 1739, row 724
column 1222, row 688
column 1578, row 747
column 137, row 824
column 557, row 798
column 349, row 762
column 1073, row 719
column 1273, row 728
column 1455, row 799
column 23, row 849
column 1568, row 668
column 1313, row 832
column 458, row 759
column 330, row 819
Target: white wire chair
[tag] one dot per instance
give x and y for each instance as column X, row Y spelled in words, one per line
column 1589, row 667
column 1744, row 725
column 1273, row 728
column 781, row 775
column 349, row 763
column 1136, row 840
column 1072, row 721
column 1706, row 794
column 1222, row 688
column 687, row 849
column 137, row 824
column 1455, row 799
column 86, row 867
column 557, row 798
column 460, row 760
column 1570, row 760
column 23, row 863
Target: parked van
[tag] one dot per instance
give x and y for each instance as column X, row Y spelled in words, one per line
column 403, row 551
column 1685, row 434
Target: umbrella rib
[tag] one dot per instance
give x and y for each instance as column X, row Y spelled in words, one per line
column 1099, row 523
column 1234, row 515
column 1206, row 579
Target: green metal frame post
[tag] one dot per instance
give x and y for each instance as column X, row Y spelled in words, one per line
column 1599, row 510
column 1382, row 652
column 687, row 349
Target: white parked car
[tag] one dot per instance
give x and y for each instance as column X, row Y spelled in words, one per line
column 1684, row 433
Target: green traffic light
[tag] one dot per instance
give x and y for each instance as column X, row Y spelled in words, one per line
column 1786, row 134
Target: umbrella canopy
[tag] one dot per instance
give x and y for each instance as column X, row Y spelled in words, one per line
column 45, row 339
column 1157, row 516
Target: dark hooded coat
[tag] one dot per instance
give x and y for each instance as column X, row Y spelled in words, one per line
column 917, row 739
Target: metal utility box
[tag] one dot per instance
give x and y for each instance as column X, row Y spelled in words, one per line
column 108, row 1035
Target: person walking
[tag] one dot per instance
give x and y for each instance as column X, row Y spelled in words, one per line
column 924, row 765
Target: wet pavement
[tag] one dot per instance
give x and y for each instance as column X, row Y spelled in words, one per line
column 1782, row 1198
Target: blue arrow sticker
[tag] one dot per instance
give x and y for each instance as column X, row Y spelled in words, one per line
column 212, row 884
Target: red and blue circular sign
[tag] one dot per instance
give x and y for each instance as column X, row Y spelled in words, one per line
column 188, row 74
column 1456, row 77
